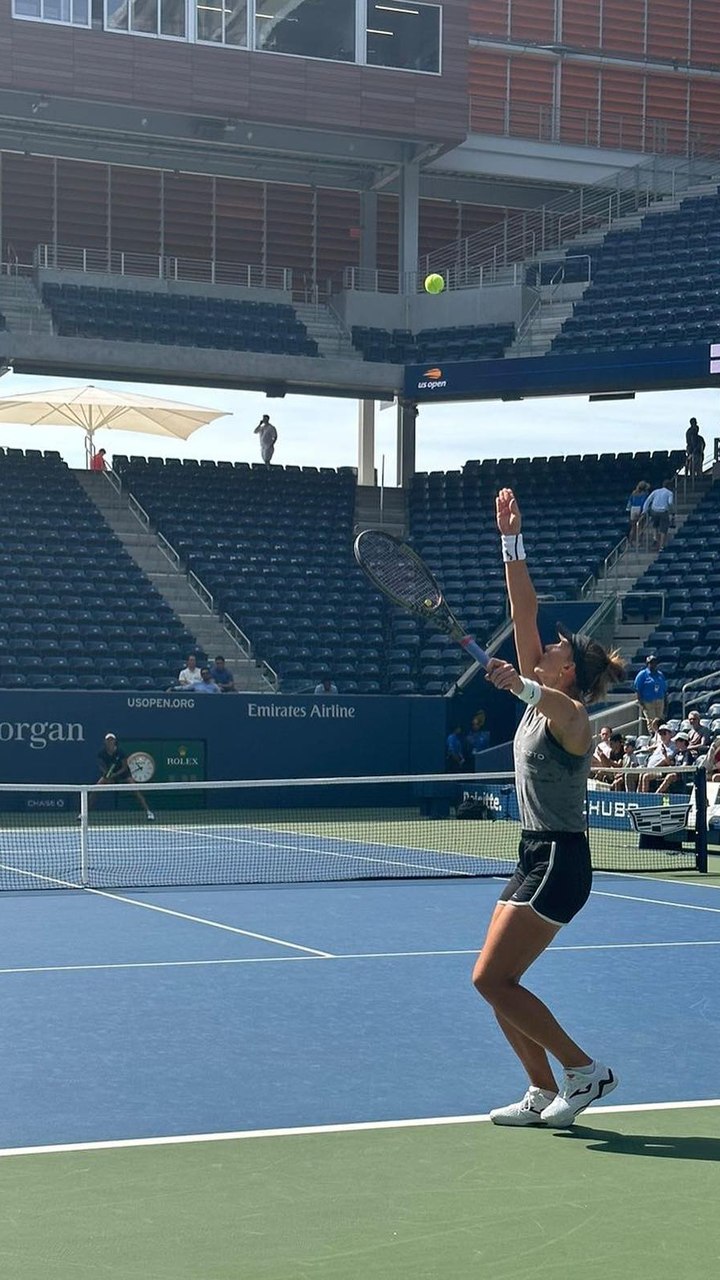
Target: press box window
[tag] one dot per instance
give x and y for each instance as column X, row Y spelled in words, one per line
column 404, row 35
column 308, row 28
column 76, row 13
column 222, row 22
column 147, row 17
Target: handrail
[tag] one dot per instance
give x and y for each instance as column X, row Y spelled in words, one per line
column 699, row 680
column 201, row 591
column 139, row 512
column 242, row 641
column 584, row 210
column 168, row 267
column 169, row 551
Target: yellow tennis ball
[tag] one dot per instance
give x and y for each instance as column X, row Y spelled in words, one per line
column 434, row 284
column 428, row 602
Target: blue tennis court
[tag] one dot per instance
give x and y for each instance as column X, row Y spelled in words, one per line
column 151, row 1013
column 170, row 1016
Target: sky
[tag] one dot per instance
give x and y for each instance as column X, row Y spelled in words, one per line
column 320, row 432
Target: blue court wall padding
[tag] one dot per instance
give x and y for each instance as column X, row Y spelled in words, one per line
column 55, row 737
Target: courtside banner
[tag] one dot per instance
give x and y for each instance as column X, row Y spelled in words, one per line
column 595, row 372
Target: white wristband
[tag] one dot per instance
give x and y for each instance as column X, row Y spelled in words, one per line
column 531, row 692
column 512, row 546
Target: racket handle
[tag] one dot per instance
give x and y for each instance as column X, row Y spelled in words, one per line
column 478, row 654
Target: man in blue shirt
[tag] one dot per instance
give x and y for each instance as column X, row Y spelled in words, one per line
column 660, row 506
column 222, row 676
column 650, row 686
column 206, row 684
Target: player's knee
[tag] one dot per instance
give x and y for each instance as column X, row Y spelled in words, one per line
column 488, row 984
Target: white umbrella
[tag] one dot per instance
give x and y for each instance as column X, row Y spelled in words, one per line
column 93, row 408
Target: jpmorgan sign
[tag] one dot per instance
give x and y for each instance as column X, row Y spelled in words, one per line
column 39, row 734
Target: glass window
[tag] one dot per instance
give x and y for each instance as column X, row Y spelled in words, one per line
column 117, row 14
column 403, row 34
column 222, row 21
column 144, row 16
column 172, row 18
column 310, row 28
column 75, row 13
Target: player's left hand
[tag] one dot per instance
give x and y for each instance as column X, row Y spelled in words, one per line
column 504, row 676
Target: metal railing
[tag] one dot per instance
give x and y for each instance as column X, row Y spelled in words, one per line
column 268, row 674
column 696, row 684
column 489, row 275
column 585, row 211
column 576, row 126
column 168, row 267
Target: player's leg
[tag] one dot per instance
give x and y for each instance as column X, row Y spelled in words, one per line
column 518, row 937
column 142, row 801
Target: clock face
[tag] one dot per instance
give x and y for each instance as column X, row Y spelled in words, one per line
column 141, row 765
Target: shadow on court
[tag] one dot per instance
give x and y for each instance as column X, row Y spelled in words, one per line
column 665, row 1146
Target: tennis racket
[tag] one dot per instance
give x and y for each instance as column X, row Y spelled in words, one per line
column 396, row 570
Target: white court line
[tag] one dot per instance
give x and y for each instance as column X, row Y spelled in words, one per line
column 364, row 1126
column 358, row 955
column 167, row 911
column 657, row 902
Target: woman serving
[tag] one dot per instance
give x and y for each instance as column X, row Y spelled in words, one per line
column 552, row 879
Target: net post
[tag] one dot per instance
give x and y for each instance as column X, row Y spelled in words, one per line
column 84, row 836
column 701, row 841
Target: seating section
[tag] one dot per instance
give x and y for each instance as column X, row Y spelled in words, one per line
column 687, row 573
column 274, row 546
column 654, row 286
column 573, row 515
column 469, row 342
column 75, row 610
column 126, row 315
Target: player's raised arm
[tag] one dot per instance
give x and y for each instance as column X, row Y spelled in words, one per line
column 521, row 592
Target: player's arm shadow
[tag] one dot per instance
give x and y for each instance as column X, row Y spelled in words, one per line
column 663, row 1146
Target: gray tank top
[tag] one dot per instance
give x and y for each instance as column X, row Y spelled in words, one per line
column 551, row 783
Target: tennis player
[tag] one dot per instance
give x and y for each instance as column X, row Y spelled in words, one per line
column 551, row 883
column 114, row 768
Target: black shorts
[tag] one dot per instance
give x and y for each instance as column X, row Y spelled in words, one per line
column 553, row 874
column 660, row 520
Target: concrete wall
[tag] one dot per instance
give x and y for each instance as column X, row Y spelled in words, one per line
column 499, row 305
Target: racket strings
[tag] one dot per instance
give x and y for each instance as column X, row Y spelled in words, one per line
column 400, row 573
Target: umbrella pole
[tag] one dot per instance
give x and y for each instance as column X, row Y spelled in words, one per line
column 88, row 449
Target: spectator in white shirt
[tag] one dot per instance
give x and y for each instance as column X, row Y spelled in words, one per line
column 661, row 757
column 191, row 674
column 659, row 506
column 326, row 686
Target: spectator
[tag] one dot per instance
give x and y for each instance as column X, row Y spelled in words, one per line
column 601, row 754
column 694, row 450
column 712, row 761
column 650, row 687
column 206, row 684
column 454, row 751
column 268, row 438
column 97, row 462
column 662, row 757
column 682, row 758
column 191, row 674
column 326, row 685
column 478, row 737
column 699, row 735
column 659, row 506
column 613, row 761
column 634, row 508
column 223, row 678
column 114, row 769
column 631, row 762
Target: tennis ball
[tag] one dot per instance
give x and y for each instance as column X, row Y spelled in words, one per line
column 428, row 602
column 434, row 284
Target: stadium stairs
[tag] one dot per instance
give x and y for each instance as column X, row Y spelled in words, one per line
column 381, row 509
column 142, row 545
column 21, row 306
column 326, row 330
column 622, row 577
column 558, row 292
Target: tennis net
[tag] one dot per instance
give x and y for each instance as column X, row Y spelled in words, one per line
column 327, row 829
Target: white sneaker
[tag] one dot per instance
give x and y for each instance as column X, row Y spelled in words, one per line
column 527, row 1111
column 150, row 816
column 578, row 1090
